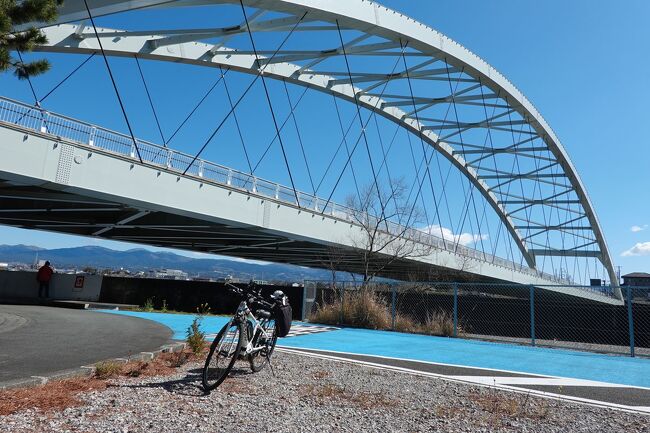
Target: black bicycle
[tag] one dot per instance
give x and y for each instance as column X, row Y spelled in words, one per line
column 250, row 334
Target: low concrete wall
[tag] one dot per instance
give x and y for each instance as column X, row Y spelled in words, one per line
column 23, row 284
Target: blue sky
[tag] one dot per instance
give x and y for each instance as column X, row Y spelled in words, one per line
column 581, row 63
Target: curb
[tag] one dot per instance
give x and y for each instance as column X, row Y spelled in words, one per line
column 87, row 370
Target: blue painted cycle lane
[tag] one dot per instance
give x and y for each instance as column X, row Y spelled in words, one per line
column 470, row 353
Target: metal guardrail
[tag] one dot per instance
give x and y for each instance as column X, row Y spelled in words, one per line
column 43, row 121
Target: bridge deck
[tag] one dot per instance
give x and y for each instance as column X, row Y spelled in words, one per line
column 89, row 181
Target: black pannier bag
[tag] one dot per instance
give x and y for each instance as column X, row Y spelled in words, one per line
column 282, row 314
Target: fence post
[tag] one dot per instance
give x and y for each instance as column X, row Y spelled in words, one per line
column 532, row 315
column 394, row 295
column 455, row 309
column 91, row 136
column 303, row 315
column 44, row 116
column 630, row 320
column 342, row 301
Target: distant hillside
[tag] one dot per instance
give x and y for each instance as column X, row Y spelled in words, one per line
column 141, row 260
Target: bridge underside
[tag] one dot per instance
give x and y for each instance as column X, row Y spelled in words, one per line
column 55, row 184
column 40, row 208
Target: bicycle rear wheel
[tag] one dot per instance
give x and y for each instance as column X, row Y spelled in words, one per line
column 260, row 358
column 222, row 356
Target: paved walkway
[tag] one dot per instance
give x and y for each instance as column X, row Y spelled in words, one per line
column 36, row 340
column 617, row 381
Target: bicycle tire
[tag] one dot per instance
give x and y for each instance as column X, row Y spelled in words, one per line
column 213, row 375
column 259, row 359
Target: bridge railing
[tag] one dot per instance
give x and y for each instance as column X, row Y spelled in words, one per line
column 40, row 120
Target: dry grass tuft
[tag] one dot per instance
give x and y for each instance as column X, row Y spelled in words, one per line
column 439, row 322
column 365, row 309
column 163, row 364
column 335, row 393
column 52, row 396
column 236, row 386
column 502, row 408
column 496, row 409
column 107, row 369
column 320, row 374
column 59, row 395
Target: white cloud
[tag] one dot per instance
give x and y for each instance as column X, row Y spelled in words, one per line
column 462, row 238
column 639, row 249
column 636, row 229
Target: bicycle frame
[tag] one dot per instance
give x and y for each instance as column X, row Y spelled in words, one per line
column 245, row 315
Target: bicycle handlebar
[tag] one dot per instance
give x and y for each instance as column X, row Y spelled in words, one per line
column 253, row 292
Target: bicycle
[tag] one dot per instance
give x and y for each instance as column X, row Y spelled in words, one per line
column 246, row 335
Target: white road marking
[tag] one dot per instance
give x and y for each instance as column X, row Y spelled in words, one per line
column 474, row 380
column 546, row 381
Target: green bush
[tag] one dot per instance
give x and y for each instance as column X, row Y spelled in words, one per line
column 203, row 309
column 107, row 369
column 148, row 305
column 196, row 337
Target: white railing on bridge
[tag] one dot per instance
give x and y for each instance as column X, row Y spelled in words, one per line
column 40, row 120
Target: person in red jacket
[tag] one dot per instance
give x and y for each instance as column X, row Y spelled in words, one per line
column 43, row 277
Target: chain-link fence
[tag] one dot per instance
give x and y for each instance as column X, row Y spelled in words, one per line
column 572, row 317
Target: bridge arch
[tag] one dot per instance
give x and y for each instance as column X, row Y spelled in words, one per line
column 389, row 32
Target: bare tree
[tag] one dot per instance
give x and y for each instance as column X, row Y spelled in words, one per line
column 387, row 223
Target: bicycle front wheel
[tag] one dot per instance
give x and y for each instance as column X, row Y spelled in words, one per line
column 222, row 356
column 265, row 343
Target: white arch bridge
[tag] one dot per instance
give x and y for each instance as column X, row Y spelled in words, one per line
column 68, row 176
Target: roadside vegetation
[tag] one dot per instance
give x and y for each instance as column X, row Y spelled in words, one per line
column 61, row 394
column 363, row 308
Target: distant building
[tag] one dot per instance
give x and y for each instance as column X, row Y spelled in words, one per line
column 230, row 279
column 169, row 274
column 262, row 282
column 637, row 279
column 639, row 282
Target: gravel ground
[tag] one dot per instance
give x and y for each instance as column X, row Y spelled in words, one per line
column 314, row 395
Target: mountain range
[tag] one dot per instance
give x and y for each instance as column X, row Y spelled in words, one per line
column 140, row 259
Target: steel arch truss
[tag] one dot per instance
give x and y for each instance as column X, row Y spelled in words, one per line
column 410, row 74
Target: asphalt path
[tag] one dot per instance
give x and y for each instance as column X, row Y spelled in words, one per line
column 37, row 340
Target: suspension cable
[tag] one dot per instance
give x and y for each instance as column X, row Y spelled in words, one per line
column 258, row 75
column 427, row 172
column 153, row 109
column 68, row 76
column 472, row 187
column 358, row 113
column 347, row 148
column 284, row 123
column 110, row 73
column 234, row 115
column 302, row 147
column 268, row 100
column 38, row 102
column 29, row 81
column 363, row 128
column 196, row 107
